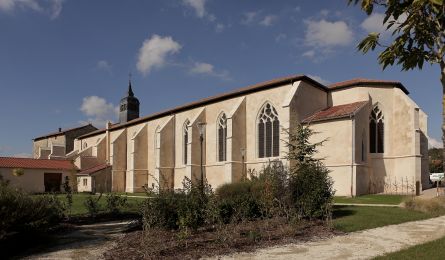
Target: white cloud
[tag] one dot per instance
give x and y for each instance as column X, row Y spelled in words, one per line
column 98, row 110
column 250, row 17
column 208, row 69
column 297, row 9
column 197, row 5
column 434, row 143
column 280, row 37
column 104, row 65
column 324, row 12
column 220, row 27
column 374, row 23
column 319, row 79
column 154, row 52
column 328, row 34
column 309, row 54
column 53, row 8
column 268, row 20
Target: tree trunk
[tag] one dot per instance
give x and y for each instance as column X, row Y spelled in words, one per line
column 442, row 80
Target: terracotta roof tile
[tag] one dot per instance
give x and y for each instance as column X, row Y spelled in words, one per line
column 93, row 169
column 28, row 163
column 367, row 82
column 335, row 112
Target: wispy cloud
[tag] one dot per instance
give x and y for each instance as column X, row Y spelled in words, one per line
column 208, row 69
column 374, row 23
column 52, row 8
column 268, row 20
column 104, row 66
column 434, row 143
column 154, row 52
column 98, row 110
column 199, row 6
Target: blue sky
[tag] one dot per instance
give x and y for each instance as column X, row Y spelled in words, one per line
column 64, row 62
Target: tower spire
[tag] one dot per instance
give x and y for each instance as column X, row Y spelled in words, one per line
column 130, row 91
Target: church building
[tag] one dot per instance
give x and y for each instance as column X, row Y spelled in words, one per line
column 376, row 137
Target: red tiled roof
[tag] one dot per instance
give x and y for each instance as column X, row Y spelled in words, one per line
column 62, row 132
column 238, row 92
column 93, row 169
column 336, row 112
column 28, row 163
column 367, row 82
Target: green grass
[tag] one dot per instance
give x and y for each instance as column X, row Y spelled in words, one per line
column 372, row 199
column 354, row 218
column 78, row 207
column 431, row 250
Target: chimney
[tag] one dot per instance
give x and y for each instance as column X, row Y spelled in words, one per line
column 60, row 129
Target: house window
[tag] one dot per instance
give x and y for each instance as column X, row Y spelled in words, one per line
column 85, row 182
column 268, row 132
column 376, row 131
column 186, row 141
column 222, row 137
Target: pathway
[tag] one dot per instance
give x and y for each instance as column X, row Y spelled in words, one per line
column 358, row 245
column 85, row 242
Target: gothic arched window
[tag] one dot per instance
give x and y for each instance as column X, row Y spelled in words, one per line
column 186, row 141
column 222, row 137
column 376, row 131
column 268, row 132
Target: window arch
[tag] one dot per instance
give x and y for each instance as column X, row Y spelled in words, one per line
column 376, row 131
column 186, row 136
column 268, row 132
column 222, row 137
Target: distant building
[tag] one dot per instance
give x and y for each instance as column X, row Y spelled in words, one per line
column 37, row 175
column 58, row 144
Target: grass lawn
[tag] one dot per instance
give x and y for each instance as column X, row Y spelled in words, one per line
column 372, row 199
column 354, row 218
column 78, row 207
column 431, row 250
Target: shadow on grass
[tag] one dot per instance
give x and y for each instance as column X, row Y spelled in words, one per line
column 342, row 211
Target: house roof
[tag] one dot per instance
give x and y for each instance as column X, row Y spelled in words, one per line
column 367, row 82
column 335, row 112
column 205, row 101
column 250, row 89
column 93, row 169
column 28, row 163
column 61, row 132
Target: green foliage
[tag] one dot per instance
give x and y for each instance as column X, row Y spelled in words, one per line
column 68, row 192
column 115, row 203
column 19, row 212
column 418, row 27
column 435, row 159
column 92, row 205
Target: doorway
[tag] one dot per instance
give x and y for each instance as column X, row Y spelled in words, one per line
column 52, row 181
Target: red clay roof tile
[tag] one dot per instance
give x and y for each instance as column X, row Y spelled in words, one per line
column 93, row 169
column 335, row 112
column 28, row 163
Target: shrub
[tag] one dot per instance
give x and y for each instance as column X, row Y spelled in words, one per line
column 161, row 210
column 115, row 203
column 92, row 205
column 19, row 212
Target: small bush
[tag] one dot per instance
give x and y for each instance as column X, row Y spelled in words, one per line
column 20, row 212
column 92, row 205
column 435, row 206
column 161, row 210
column 115, row 203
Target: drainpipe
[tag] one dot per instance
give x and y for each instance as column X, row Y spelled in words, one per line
column 352, row 153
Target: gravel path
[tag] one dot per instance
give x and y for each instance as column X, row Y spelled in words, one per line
column 358, row 245
column 86, row 242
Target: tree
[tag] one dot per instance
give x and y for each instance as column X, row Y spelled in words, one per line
column 417, row 39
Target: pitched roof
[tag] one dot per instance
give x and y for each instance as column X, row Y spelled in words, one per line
column 205, row 101
column 28, row 163
column 62, row 132
column 367, row 82
column 93, row 169
column 336, row 112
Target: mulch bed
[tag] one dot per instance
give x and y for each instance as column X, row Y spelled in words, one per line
column 225, row 240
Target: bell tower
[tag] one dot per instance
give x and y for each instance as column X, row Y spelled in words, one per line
column 129, row 106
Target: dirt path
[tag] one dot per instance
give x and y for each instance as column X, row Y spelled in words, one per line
column 85, row 242
column 358, row 245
